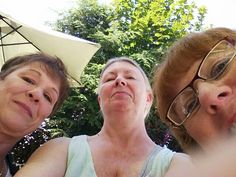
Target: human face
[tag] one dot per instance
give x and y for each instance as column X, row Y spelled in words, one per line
column 27, row 97
column 211, row 68
column 211, row 111
column 123, row 89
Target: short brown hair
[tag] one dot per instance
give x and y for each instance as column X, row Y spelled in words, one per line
column 53, row 65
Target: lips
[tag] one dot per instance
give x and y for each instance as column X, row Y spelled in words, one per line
column 24, row 107
column 121, row 93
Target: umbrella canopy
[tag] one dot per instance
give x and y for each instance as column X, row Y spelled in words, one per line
column 18, row 38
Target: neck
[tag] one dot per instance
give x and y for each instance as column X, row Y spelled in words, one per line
column 126, row 137
column 123, row 120
column 6, row 144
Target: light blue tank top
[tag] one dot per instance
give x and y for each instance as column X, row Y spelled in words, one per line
column 80, row 163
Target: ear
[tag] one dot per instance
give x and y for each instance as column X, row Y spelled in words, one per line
column 149, row 97
column 149, row 100
column 99, row 100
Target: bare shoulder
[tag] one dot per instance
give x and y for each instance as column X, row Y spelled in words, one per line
column 55, row 148
column 50, row 160
column 180, row 166
column 181, row 157
column 61, row 142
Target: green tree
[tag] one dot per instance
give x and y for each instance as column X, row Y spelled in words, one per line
column 140, row 29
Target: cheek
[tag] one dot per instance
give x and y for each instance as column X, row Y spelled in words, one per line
column 9, row 88
column 104, row 92
column 231, row 81
column 102, row 99
column 201, row 122
column 141, row 93
column 45, row 111
column 195, row 126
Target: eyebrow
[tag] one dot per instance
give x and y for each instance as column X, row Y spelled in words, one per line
column 38, row 73
column 127, row 71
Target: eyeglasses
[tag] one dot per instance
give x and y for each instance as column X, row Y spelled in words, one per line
column 186, row 103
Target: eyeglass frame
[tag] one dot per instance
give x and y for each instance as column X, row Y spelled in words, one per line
column 196, row 76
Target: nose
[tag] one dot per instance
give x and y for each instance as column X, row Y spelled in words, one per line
column 212, row 99
column 120, row 81
column 34, row 95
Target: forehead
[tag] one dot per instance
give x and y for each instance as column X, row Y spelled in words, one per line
column 122, row 66
column 40, row 69
column 37, row 66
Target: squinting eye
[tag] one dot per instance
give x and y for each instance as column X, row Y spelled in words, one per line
column 48, row 98
column 108, row 79
column 218, row 68
column 29, row 80
column 130, row 77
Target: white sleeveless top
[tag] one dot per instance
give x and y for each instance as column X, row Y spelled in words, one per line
column 80, row 163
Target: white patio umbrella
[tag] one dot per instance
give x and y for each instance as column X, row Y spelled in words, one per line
column 18, row 38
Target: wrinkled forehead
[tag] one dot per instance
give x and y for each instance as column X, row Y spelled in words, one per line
column 42, row 67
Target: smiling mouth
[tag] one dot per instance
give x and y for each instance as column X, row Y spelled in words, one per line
column 25, row 108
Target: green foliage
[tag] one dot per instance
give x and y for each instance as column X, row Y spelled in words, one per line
column 150, row 24
column 79, row 115
column 84, row 20
column 140, row 29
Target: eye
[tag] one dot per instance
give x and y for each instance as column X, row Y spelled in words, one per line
column 130, row 77
column 218, row 68
column 189, row 106
column 28, row 80
column 108, row 79
column 48, row 97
